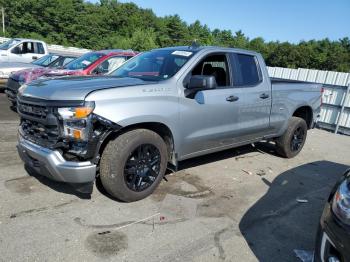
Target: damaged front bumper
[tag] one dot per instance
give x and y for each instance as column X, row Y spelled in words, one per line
column 51, row 164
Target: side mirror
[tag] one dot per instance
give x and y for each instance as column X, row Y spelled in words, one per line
column 201, row 82
column 16, row 50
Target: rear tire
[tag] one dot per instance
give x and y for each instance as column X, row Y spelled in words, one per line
column 133, row 165
column 292, row 141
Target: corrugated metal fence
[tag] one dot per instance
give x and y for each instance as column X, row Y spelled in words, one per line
column 335, row 111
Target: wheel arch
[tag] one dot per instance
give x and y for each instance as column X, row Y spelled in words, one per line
column 304, row 112
column 160, row 128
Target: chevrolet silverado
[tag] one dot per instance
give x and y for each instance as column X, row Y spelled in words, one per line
column 160, row 107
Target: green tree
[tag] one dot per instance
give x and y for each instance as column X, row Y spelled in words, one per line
column 113, row 24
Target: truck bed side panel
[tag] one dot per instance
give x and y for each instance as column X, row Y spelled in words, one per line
column 287, row 97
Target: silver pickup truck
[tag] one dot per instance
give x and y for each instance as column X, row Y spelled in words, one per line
column 159, row 108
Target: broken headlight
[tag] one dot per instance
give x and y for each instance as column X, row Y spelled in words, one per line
column 76, row 124
column 341, row 201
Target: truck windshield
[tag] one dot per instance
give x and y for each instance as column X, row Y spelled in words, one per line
column 154, row 65
column 45, row 60
column 84, row 61
column 9, row 44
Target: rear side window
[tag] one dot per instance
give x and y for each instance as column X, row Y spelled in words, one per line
column 247, row 72
column 41, row 49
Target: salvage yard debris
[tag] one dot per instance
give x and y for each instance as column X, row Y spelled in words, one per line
column 304, row 255
column 302, row 200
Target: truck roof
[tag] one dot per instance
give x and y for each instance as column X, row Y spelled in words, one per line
column 28, row 39
column 199, row 48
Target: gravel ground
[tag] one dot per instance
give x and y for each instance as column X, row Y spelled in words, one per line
column 237, row 205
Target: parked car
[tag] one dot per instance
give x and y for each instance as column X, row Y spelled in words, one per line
column 22, row 50
column 333, row 237
column 92, row 63
column 159, row 108
column 50, row 60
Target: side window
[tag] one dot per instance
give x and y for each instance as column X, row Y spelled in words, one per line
column 214, row 65
column 115, row 62
column 109, row 65
column 23, row 48
column 28, row 47
column 67, row 60
column 40, row 48
column 247, row 72
column 49, row 60
column 17, row 49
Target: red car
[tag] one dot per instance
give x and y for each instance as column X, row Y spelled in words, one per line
column 92, row 63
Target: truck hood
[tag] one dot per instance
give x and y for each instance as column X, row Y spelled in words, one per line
column 31, row 74
column 74, row 88
column 64, row 72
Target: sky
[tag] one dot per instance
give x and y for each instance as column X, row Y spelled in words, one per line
column 283, row 20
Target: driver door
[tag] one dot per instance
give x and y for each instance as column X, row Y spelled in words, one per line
column 23, row 52
column 207, row 119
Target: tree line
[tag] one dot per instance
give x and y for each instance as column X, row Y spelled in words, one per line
column 111, row 24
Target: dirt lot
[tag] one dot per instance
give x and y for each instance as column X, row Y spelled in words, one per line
column 238, row 205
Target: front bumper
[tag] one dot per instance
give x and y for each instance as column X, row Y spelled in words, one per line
column 333, row 239
column 51, row 164
column 10, row 95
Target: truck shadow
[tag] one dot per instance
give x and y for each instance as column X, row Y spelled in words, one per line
column 239, row 152
column 60, row 187
column 277, row 223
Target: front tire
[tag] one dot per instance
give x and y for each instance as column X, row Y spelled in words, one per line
column 133, row 164
column 292, row 141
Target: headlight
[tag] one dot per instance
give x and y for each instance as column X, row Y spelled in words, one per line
column 76, row 122
column 21, row 89
column 341, row 202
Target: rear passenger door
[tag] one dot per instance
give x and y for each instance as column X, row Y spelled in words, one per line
column 254, row 95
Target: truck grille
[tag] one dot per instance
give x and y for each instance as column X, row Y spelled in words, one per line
column 38, row 133
column 13, row 85
column 39, row 124
column 33, row 110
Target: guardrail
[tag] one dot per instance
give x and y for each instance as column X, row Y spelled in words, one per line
column 335, row 110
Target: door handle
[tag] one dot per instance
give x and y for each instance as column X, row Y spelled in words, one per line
column 264, row 96
column 232, row 98
column 34, row 57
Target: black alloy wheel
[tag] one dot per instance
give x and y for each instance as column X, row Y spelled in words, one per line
column 297, row 139
column 142, row 167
